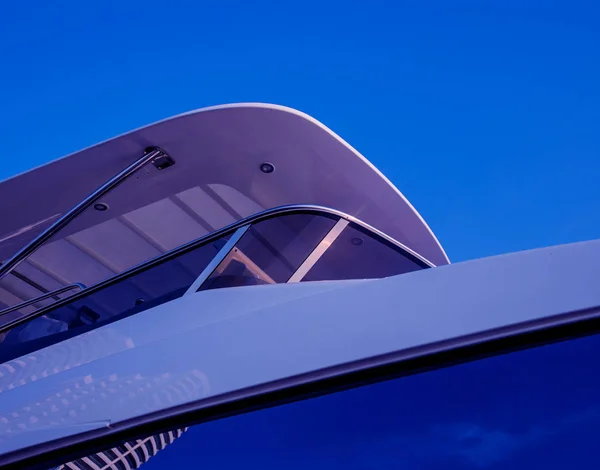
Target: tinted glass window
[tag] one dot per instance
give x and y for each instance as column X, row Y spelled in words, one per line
column 356, row 254
column 536, row 408
column 154, row 286
column 270, row 251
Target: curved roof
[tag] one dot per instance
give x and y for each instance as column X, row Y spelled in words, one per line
column 215, row 180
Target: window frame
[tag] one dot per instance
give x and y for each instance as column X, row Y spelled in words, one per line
column 210, row 237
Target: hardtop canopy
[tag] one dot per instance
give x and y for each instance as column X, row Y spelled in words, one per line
column 217, row 178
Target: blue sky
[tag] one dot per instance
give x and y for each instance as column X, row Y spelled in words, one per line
column 483, row 113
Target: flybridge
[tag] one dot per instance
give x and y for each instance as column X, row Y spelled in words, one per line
column 205, row 170
column 218, row 177
column 206, row 189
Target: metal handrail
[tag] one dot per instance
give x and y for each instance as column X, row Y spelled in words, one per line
column 27, row 303
column 58, row 225
column 266, row 214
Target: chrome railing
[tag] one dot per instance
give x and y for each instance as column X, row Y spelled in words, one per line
column 266, row 214
column 47, row 295
column 58, row 225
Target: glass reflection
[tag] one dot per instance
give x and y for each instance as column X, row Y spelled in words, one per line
column 536, row 408
column 270, row 251
column 357, row 254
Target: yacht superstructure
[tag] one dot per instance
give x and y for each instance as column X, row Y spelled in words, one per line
column 194, row 267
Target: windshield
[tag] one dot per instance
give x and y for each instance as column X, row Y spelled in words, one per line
column 283, row 248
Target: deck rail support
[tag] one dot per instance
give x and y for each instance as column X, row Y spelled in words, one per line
column 39, row 298
column 152, row 153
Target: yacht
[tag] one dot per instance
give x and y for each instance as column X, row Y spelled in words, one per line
column 238, row 286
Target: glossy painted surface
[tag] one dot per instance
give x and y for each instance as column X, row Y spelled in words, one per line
column 219, row 341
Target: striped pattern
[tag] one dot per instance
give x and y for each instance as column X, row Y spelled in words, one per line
column 127, row 456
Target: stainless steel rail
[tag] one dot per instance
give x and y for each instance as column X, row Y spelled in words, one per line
column 112, row 183
column 47, row 295
column 267, row 214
